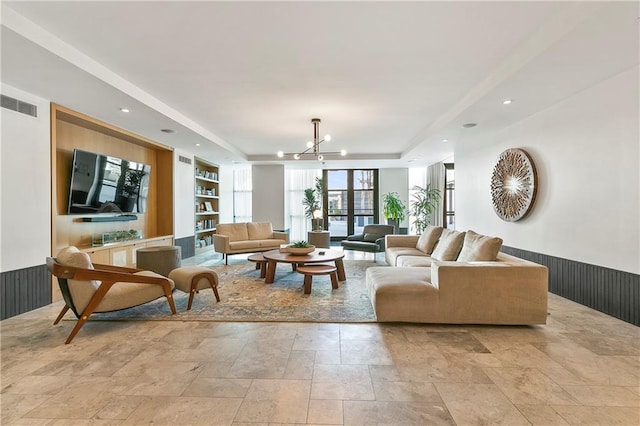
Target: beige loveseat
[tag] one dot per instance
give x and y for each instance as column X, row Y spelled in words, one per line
column 463, row 288
column 247, row 237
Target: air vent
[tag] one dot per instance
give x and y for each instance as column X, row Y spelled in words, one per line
column 183, row 159
column 19, row 106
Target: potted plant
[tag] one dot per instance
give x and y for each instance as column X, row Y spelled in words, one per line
column 312, row 200
column 423, row 204
column 393, row 209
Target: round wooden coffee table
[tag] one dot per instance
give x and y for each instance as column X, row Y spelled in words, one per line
column 274, row 257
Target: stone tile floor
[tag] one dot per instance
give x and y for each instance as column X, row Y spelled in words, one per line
column 583, row 367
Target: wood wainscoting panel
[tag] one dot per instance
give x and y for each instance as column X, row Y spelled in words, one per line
column 613, row 292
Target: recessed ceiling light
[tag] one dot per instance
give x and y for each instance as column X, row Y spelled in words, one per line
column 124, row 109
column 507, row 101
column 167, row 130
column 469, row 125
column 197, row 144
column 445, row 140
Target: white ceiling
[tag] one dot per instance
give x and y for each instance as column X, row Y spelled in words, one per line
column 389, row 80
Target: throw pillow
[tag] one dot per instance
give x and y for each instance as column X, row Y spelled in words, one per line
column 81, row 291
column 479, row 248
column 449, row 245
column 429, row 238
column 371, row 238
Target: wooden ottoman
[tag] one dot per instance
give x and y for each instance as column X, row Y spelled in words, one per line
column 317, row 269
column 190, row 279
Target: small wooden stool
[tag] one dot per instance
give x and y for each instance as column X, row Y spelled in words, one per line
column 261, row 263
column 190, row 279
column 317, row 269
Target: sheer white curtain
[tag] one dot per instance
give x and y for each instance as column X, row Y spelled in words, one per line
column 417, row 177
column 435, row 178
column 242, row 187
column 296, row 181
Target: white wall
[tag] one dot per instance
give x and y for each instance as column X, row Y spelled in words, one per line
column 587, row 157
column 394, row 180
column 225, row 175
column 25, row 184
column 183, row 195
column 268, row 194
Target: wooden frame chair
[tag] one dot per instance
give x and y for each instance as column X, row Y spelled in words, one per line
column 108, row 275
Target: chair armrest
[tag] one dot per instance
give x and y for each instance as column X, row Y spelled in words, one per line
column 380, row 243
column 115, row 268
column 356, row 237
column 221, row 243
column 401, row 240
column 281, row 235
column 105, row 275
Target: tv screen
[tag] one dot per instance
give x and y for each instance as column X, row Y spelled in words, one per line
column 105, row 184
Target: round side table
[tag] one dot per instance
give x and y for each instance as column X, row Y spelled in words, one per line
column 159, row 259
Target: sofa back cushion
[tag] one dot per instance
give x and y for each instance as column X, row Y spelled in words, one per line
column 479, row 248
column 259, row 230
column 449, row 245
column 235, row 231
column 429, row 238
column 81, row 291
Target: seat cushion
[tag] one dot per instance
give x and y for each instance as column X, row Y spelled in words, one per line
column 403, row 294
column 361, row 245
column 259, row 230
column 429, row 238
column 479, row 248
column 449, row 245
column 235, row 231
column 81, row 292
column 183, row 276
column 392, row 254
column 414, row 261
column 126, row 294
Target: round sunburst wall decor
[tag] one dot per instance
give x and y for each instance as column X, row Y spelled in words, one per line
column 513, row 185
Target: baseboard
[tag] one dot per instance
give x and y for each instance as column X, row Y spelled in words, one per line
column 613, row 292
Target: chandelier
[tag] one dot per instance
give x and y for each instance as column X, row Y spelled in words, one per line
column 313, row 147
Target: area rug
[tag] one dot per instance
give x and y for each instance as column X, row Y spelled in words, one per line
column 244, row 296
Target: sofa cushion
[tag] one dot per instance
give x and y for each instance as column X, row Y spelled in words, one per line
column 479, row 248
column 371, row 238
column 245, row 245
column 235, row 231
column 414, row 261
column 392, row 254
column 125, row 294
column 81, row 291
column 429, row 238
column 449, row 245
column 259, row 230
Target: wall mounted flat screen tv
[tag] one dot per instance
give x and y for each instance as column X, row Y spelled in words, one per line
column 105, row 184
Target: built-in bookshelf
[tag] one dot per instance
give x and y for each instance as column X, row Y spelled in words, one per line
column 206, row 203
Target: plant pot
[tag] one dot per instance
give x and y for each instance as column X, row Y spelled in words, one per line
column 300, row 250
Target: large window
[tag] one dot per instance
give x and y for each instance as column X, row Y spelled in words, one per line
column 449, row 197
column 352, row 201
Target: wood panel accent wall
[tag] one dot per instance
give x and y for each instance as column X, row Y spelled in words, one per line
column 616, row 293
column 23, row 290
column 73, row 130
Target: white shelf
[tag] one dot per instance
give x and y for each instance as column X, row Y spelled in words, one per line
column 206, row 180
column 206, row 196
column 205, row 213
column 202, row 231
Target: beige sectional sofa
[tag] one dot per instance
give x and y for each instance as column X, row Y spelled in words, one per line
column 247, row 237
column 455, row 284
